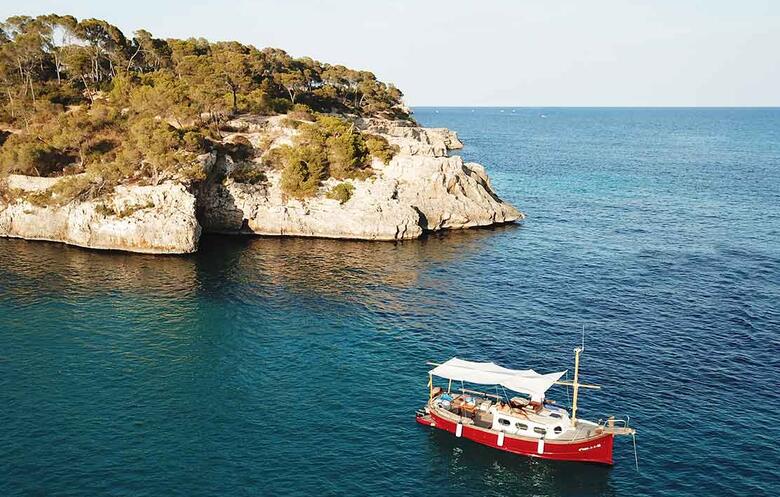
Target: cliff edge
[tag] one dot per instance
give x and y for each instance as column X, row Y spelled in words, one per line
column 420, row 189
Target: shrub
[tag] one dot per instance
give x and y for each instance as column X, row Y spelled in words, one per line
column 275, row 158
column 248, row 173
column 194, row 141
column 379, row 147
column 346, row 154
column 301, row 112
column 29, row 154
column 304, row 168
column 328, row 147
column 341, row 192
column 81, row 187
column 295, row 181
column 39, row 199
column 193, row 171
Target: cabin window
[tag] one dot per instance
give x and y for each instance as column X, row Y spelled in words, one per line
column 503, row 421
column 557, row 429
column 521, row 426
column 555, row 415
column 540, row 431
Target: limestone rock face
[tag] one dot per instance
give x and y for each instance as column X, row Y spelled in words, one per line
column 411, row 139
column 421, row 189
column 370, row 214
column 149, row 219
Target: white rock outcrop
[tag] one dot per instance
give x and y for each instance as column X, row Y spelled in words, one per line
column 148, row 219
column 421, row 189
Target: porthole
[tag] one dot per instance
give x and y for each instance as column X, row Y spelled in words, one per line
column 540, row 431
column 557, row 429
column 521, row 426
column 503, row 421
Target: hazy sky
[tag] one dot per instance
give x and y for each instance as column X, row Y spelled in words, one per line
column 524, row 53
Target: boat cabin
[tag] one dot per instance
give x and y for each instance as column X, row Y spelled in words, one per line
column 517, row 417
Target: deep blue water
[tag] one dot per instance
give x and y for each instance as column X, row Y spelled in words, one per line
column 266, row 366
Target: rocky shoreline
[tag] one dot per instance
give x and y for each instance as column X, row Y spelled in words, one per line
column 421, row 189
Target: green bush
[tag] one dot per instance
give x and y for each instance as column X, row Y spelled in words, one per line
column 81, row 187
column 328, row 147
column 31, row 155
column 341, row 192
column 248, row 173
column 297, row 182
column 379, row 147
column 346, row 153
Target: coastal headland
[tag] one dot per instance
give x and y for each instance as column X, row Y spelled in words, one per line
column 142, row 144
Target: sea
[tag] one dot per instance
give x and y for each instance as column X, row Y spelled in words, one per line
column 294, row 367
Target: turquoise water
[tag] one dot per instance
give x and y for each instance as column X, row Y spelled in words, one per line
column 268, row 366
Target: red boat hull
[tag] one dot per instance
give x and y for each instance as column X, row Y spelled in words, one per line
column 595, row 450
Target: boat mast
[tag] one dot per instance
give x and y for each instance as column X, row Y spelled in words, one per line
column 576, row 385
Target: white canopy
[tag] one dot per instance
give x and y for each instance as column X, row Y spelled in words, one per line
column 525, row 381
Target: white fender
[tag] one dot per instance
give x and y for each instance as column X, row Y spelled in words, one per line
column 458, row 430
column 540, row 446
column 500, row 439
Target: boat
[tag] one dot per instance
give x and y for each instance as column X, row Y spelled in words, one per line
column 526, row 423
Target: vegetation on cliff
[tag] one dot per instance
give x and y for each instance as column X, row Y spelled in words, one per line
column 329, row 147
column 81, row 97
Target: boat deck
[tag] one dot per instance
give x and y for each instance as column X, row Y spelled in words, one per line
column 584, row 430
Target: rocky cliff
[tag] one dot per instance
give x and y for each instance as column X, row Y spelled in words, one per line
column 421, row 189
column 150, row 219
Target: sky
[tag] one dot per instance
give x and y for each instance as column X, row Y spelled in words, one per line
column 496, row 53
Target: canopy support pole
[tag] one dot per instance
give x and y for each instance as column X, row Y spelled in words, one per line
column 430, row 386
column 449, row 386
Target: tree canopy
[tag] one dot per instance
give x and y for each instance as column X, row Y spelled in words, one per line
column 80, row 94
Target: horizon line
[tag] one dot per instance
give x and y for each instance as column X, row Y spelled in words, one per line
column 597, row 106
